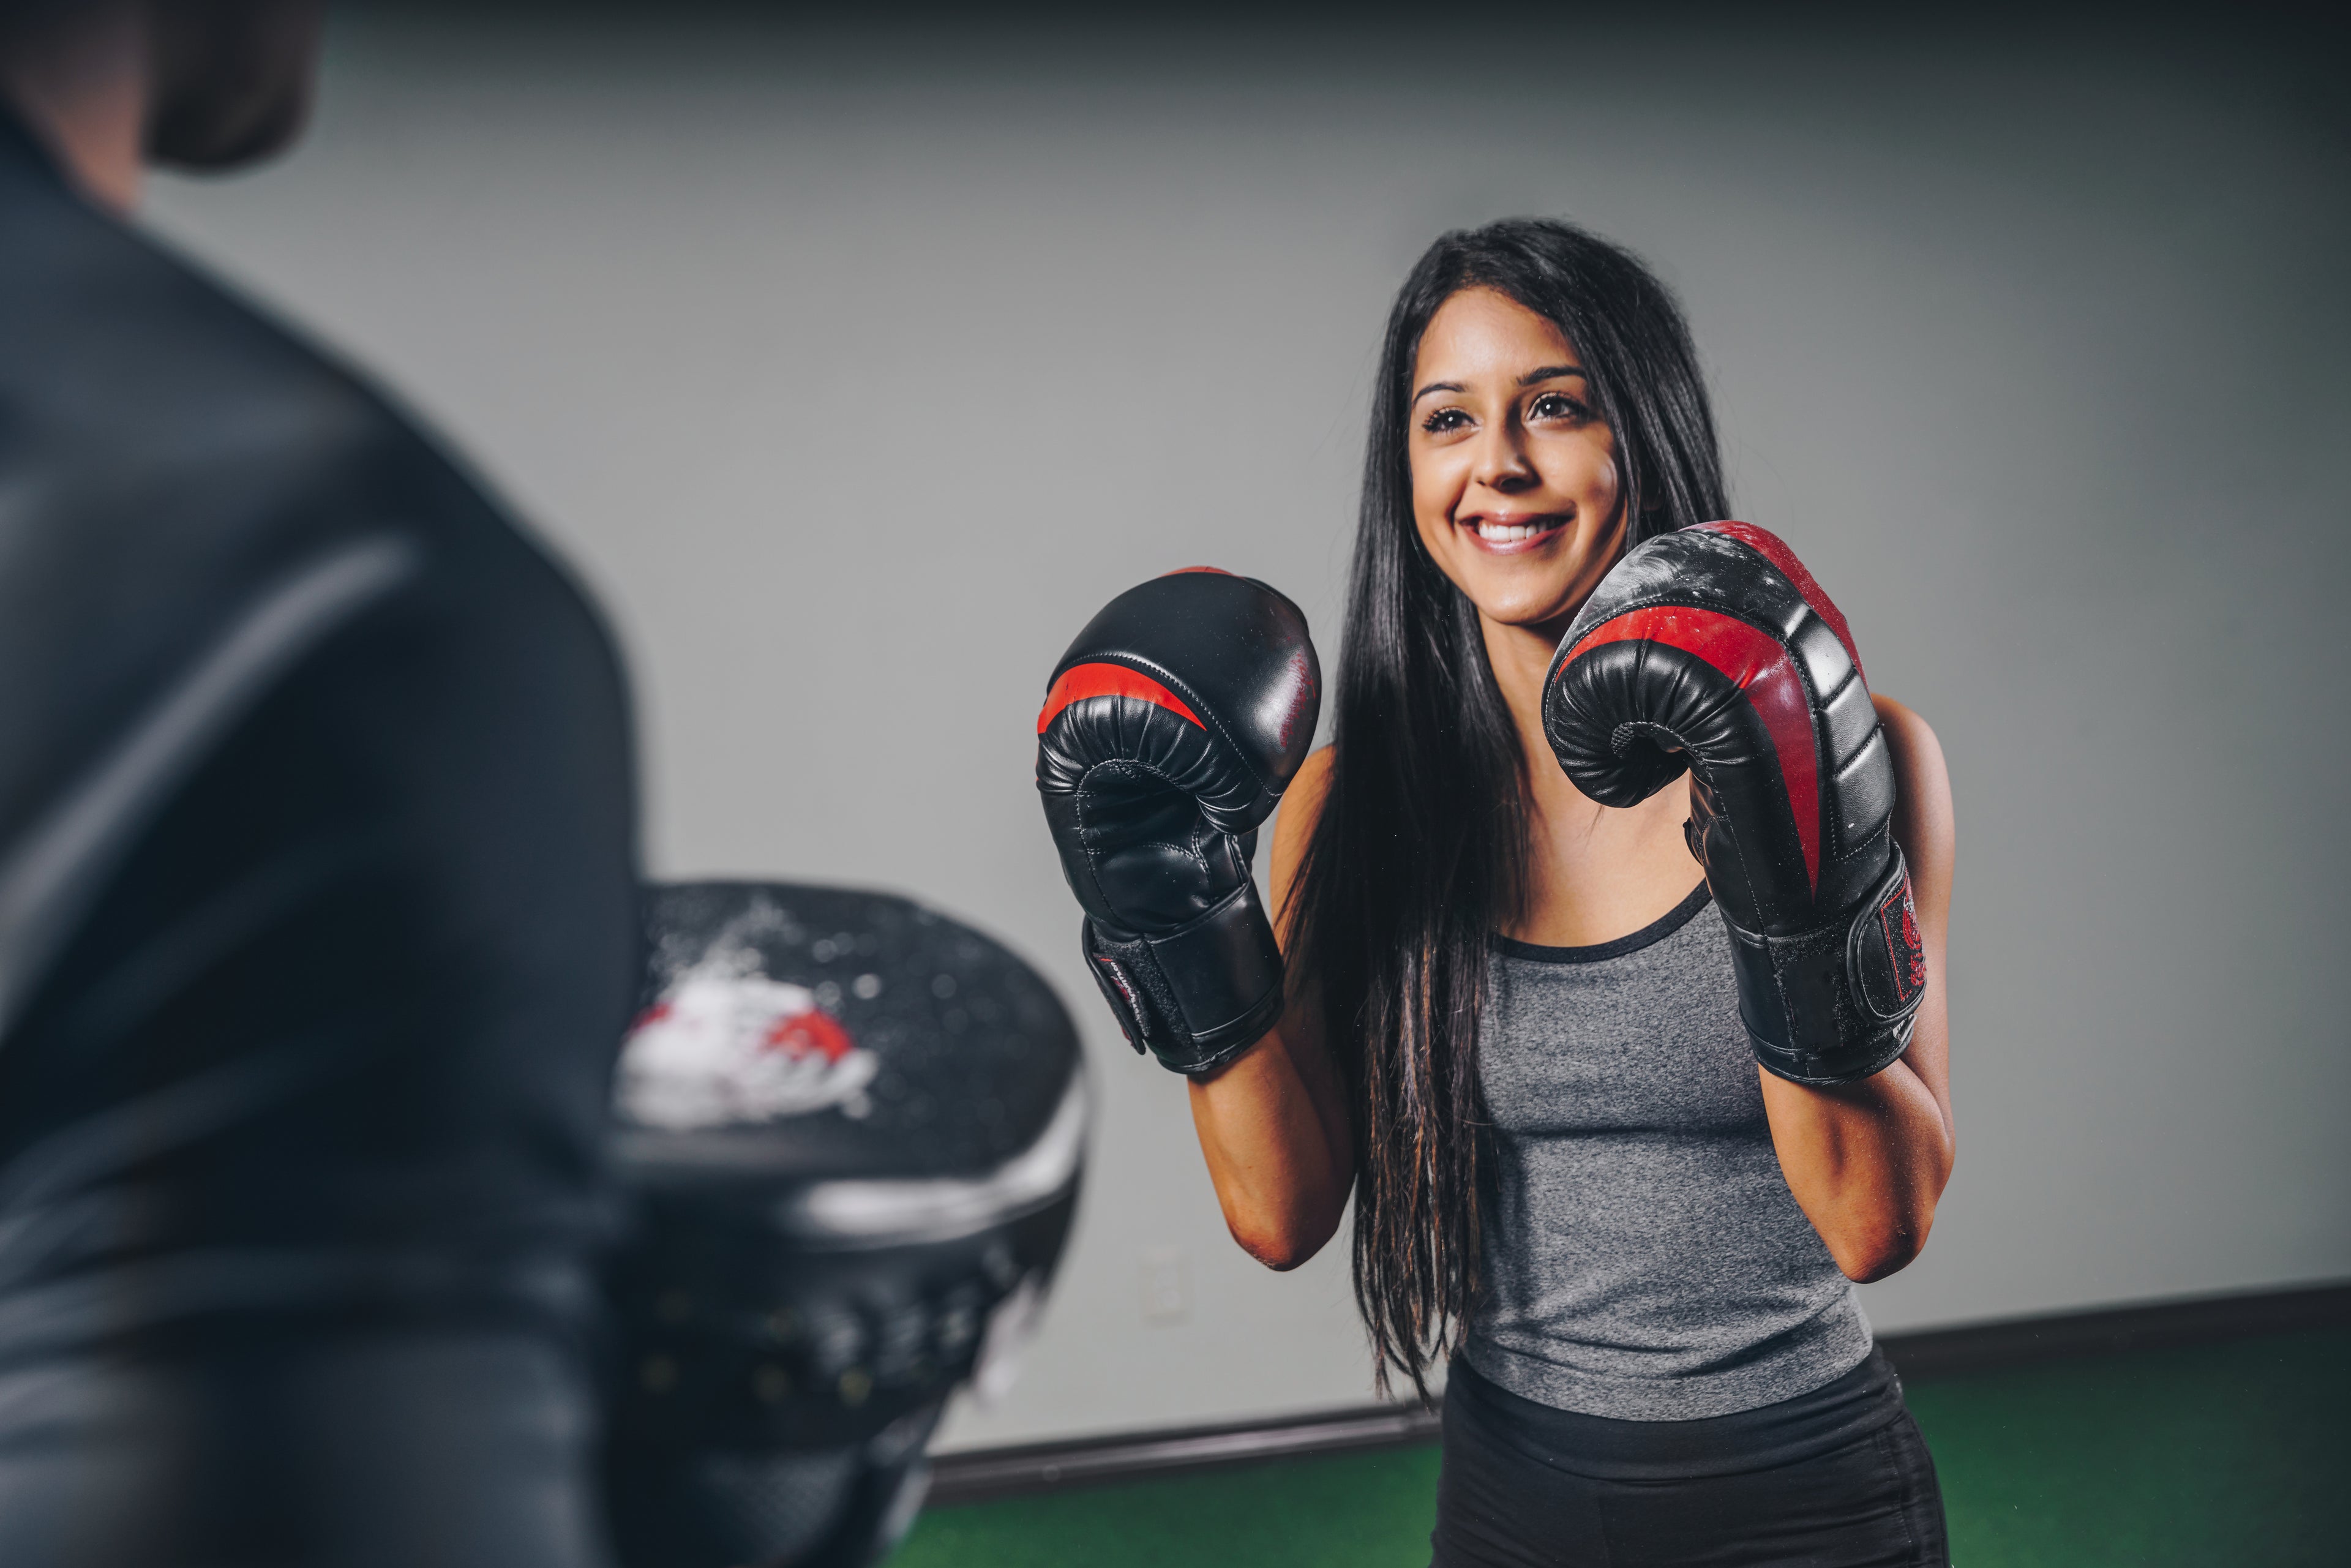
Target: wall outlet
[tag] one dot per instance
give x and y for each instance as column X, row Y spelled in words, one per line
column 1167, row 1287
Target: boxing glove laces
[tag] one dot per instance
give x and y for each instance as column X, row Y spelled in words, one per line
column 1169, row 731
column 1712, row 649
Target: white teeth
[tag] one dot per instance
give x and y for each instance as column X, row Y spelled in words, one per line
column 1509, row 533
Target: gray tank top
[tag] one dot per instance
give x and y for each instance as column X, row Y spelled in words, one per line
column 1644, row 1256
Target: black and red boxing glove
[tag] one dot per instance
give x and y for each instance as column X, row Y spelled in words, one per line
column 1169, row 731
column 1712, row 649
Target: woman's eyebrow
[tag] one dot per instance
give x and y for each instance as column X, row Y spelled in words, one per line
column 1546, row 374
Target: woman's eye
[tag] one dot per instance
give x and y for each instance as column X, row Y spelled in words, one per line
column 1445, row 420
column 1555, row 405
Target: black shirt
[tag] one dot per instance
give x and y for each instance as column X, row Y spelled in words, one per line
column 317, row 832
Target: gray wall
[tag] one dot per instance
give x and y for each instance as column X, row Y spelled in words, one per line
column 854, row 371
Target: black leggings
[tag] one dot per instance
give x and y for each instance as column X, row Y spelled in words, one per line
column 1835, row 1479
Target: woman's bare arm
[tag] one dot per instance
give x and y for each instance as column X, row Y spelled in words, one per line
column 1273, row 1123
column 1867, row 1161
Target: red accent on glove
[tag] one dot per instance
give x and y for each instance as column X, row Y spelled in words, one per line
column 1080, row 681
column 1771, row 548
column 1764, row 671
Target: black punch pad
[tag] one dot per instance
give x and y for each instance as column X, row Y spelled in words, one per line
column 851, row 1131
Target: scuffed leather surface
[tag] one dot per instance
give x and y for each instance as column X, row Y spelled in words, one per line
column 1625, row 718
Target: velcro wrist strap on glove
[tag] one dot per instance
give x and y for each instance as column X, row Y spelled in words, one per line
column 1200, row 994
column 1835, row 1004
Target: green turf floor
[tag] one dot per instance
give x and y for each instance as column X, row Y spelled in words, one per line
column 2219, row 1457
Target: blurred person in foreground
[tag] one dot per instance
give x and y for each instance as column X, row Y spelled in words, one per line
column 318, row 933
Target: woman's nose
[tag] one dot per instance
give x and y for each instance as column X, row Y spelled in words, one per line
column 1502, row 462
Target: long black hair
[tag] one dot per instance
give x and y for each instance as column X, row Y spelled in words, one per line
column 1416, row 857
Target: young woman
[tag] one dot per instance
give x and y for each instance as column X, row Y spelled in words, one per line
column 1504, row 1017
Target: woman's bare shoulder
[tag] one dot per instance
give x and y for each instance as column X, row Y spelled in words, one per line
column 1918, row 751
column 1922, row 783
column 1301, row 806
column 1894, row 714
column 1313, row 780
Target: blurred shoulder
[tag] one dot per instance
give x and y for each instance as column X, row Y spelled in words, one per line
column 157, row 413
column 184, row 474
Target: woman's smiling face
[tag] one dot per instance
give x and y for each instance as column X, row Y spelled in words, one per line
column 1514, row 479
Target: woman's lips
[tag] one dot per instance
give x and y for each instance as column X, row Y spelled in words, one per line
column 1511, row 536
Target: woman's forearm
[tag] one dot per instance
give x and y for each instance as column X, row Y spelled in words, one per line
column 1866, row 1163
column 1274, row 1134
